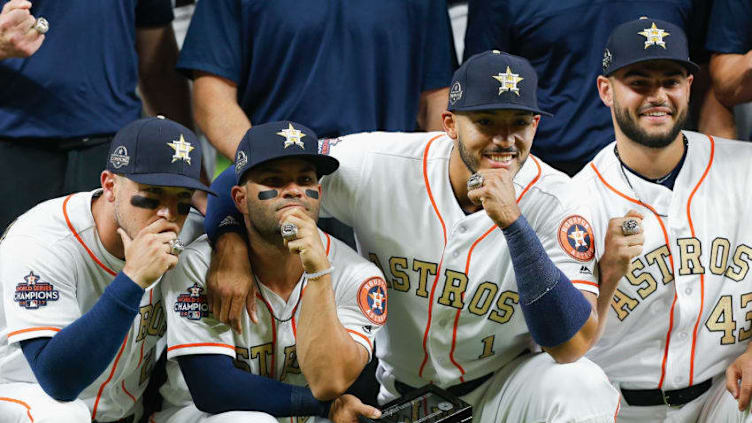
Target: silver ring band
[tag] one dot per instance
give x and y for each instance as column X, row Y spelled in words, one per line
column 630, row 227
column 475, row 181
column 41, row 25
column 289, row 231
column 176, row 247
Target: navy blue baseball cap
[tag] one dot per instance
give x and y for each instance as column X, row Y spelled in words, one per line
column 646, row 39
column 280, row 140
column 494, row 80
column 157, row 151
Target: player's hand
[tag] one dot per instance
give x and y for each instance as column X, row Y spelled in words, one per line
column 347, row 408
column 497, row 196
column 18, row 38
column 619, row 250
column 739, row 379
column 308, row 242
column 230, row 282
column 147, row 256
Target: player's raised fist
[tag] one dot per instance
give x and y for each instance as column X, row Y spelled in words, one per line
column 306, row 241
column 148, row 255
column 18, row 38
column 624, row 240
column 496, row 195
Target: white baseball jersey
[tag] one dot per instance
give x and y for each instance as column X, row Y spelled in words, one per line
column 682, row 313
column 266, row 348
column 454, row 306
column 53, row 269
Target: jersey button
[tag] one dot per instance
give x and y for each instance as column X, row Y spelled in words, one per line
column 462, row 229
column 688, row 291
column 682, row 336
column 456, row 254
column 678, row 380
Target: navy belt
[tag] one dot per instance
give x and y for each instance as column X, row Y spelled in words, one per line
column 458, row 390
column 676, row 397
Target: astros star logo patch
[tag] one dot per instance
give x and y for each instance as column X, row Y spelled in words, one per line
column 292, row 136
column 508, row 81
column 576, row 238
column 182, row 150
column 372, row 300
column 654, row 36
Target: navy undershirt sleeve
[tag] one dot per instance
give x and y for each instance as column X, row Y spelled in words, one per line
column 554, row 309
column 240, row 390
column 221, row 214
column 71, row 360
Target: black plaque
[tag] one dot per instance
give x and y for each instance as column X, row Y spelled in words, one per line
column 429, row 404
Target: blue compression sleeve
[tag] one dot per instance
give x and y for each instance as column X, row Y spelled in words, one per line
column 240, row 390
column 553, row 308
column 221, row 214
column 71, row 360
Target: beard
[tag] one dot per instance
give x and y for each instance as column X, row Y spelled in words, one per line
column 263, row 221
column 633, row 131
column 470, row 162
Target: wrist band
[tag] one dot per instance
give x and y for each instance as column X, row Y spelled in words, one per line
column 317, row 275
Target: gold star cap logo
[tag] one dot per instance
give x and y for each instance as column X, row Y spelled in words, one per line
column 292, row 136
column 654, row 36
column 508, row 81
column 182, row 150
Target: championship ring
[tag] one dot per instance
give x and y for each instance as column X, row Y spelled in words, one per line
column 289, row 231
column 41, row 25
column 429, row 404
column 630, row 227
column 176, row 247
column 475, row 181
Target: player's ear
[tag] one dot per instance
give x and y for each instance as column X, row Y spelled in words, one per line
column 108, row 181
column 605, row 90
column 450, row 124
column 239, row 195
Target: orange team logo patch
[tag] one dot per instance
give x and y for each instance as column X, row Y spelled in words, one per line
column 372, row 300
column 576, row 238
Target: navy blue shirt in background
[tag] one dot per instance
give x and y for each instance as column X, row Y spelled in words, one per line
column 337, row 66
column 730, row 28
column 82, row 80
column 564, row 41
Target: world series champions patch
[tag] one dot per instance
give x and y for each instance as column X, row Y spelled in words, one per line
column 32, row 293
column 576, row 238
column 372, row 300
column 192, row 305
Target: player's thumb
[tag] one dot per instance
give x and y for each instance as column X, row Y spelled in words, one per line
column 124, row 236
column 368, row 411
column 250, row 305
column 634, row 213
column 732, row 381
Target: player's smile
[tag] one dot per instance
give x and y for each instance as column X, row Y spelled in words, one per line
column 650, row 101
column 494, row 139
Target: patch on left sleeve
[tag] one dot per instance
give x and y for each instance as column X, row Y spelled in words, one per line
column 372, row 300
column 32, row 293
column 576, row 238
column 192, row 305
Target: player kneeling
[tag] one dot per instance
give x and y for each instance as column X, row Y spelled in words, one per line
column 81, row 313
column 319, row 303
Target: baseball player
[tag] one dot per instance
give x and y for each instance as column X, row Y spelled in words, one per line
column 81, row 313
column 484, row 251
column 680, row 316
column 320, row 304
